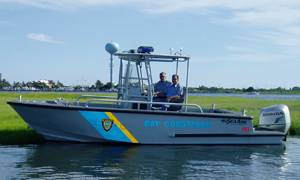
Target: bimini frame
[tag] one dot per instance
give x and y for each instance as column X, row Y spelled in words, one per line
column 147, row 59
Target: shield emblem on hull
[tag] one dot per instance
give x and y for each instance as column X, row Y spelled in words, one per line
column 107, row 124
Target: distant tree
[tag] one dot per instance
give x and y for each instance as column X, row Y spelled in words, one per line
column 213, row 89
column 99, row 85
column 250, row 89
column 4, row 83
column 93, row 88
column 77, row 88
column 107, row 86
column 202, row 88
column 295, row 88
column 16, row 85
column 39, row 85
column 51, row 84
column 29, row 84
column 56, row 85
column 59, row 84
column 23, row 84
column 280, row 89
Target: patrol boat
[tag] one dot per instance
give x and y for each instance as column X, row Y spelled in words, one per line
column 133, row 117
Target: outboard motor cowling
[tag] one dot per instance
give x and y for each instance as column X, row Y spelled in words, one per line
column 275, row 118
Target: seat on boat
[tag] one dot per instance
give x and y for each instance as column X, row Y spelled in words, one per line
column 159, row 100
column 169, row 107
column 175, row 107
column 139, row 106
column 179, row 100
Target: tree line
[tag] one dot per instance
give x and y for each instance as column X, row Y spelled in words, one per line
column 100, row 86
column 281, row 90
column 52, row 85
column 38, row 85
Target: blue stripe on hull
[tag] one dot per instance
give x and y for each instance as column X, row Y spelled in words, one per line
column 95, row 119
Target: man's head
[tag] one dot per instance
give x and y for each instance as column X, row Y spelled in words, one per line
column 175, row 79
column 163, row 76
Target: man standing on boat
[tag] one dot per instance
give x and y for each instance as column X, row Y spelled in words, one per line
column 161, row 88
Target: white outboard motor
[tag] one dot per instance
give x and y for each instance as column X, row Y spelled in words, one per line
column 275, row 118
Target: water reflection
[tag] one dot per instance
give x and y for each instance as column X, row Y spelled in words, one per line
column 58, row 160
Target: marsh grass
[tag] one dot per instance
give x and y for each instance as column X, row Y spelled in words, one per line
column 13, row 130
column 252, row 107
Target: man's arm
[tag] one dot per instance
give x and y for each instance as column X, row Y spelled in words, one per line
column 179, row 94
column 155, row 87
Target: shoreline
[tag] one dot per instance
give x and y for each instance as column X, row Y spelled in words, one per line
column 190, row 92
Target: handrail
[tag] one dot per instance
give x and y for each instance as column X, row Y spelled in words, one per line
column 145, row 102
column 93, row 96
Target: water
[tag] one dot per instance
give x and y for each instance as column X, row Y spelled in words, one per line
column 88, row 161
column 252, row 96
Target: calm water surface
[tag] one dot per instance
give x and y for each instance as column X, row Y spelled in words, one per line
column 80, row 161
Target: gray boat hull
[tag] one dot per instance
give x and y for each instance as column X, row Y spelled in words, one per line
column 83, row 124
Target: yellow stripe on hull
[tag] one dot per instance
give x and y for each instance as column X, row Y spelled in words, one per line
column 122, row 127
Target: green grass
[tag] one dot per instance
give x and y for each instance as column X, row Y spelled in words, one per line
column 13, row 130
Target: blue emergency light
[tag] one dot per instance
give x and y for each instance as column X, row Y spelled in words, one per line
column 145, row 49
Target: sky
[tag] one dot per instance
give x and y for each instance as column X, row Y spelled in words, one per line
column 231, row 43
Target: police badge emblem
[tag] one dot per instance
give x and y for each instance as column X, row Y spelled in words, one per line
column 107, row 124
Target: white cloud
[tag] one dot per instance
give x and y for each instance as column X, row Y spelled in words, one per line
column 165, row 5
column 240, row 57
column 239, row 49
column 265, row 13
column 63, row 4
column 43, row 38
column 253, row 11
column 271, row 18
column 276, row 23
